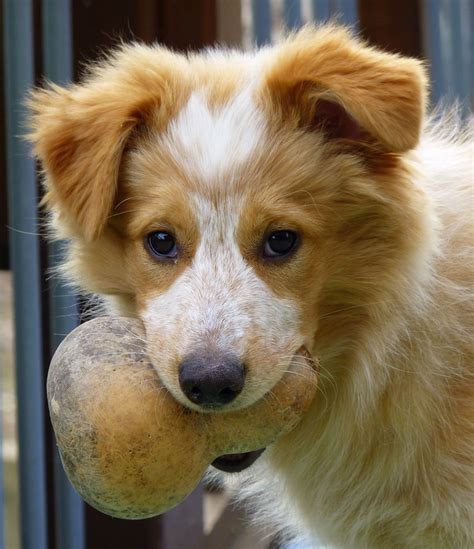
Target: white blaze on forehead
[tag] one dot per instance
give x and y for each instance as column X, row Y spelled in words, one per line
column 219, row 263
column 210, row 142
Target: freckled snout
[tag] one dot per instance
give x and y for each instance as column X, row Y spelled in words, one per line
column 210, row 379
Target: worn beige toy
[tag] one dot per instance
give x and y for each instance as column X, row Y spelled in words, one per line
column 128, row 447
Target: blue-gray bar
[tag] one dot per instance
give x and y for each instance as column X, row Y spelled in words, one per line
column 468, row 31
column 63, row 311
column 321, row 10
column 346, row 10
column 292, row 14
column 2, row 497
column 25, row 260
column 433, row 47
column 448, row 44
column 461, row 50
column 262, row 22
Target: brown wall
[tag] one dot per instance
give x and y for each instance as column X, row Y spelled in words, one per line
column 392, row 24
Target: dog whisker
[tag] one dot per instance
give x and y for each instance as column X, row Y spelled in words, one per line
column 26, row 233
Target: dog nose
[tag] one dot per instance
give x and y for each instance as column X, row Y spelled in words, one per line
column 211, row 381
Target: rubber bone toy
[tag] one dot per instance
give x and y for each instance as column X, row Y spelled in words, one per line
column 127, row 446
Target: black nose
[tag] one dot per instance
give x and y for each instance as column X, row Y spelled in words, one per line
column 211, row 379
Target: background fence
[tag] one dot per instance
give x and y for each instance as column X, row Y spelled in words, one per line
column 51, row 38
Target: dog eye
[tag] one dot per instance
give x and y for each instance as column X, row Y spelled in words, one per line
column 279, row 243
column 161, row 245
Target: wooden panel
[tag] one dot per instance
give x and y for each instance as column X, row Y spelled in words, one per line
column 98, row 25
column 182, row 527
column 187, row 24
column 394, row 25
column 227, row 528
column 105, row 532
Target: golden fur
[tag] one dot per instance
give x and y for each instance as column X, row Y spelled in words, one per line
column 379, row 288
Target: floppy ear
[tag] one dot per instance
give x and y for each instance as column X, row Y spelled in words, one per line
column 333, row 82
column 80, row 132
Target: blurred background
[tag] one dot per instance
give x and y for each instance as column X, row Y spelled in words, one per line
column 52, row 39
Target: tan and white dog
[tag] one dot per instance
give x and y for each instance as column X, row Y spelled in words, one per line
column 246, row 204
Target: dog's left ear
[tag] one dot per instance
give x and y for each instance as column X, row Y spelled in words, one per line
column 80, row 132
column 328, row 80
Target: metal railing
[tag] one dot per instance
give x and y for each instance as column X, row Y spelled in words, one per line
column 25, row 264
column 345, row 11
column 63, row 308
column 447, row 30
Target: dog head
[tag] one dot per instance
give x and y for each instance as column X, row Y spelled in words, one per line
column 236, row 203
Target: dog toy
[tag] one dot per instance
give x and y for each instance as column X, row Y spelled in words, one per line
column 129, row 448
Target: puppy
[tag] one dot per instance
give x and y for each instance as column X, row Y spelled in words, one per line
column 245, row 204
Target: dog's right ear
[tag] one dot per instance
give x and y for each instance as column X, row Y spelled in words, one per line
column 80, row 132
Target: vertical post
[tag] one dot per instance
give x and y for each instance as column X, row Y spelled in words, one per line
column 25, row 260
column 2, row 500
column 63, row 311
column 321, row 10
column 459, row 20
column 434, row 18
column 448, row 41
column 262, row 22
column 344, row 10
column 292, row 14
column 347, row 11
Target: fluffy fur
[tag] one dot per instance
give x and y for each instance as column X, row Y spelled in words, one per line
column 326, row 136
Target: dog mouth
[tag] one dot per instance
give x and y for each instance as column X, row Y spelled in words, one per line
column 234, row 463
